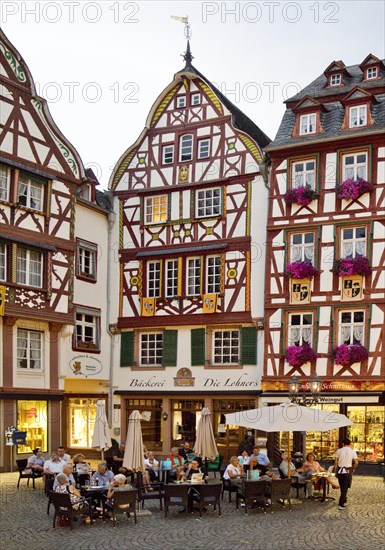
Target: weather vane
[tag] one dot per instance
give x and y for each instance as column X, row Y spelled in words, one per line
column 187, row 28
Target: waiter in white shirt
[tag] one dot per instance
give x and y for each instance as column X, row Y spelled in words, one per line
column 345, row 462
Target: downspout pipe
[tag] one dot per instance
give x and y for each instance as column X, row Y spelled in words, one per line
column 110, row 326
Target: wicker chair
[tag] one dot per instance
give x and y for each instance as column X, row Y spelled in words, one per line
column 124, row 502
column 280, row 491
column 252, row 492
column 21, row 466
column 228, row 486
column 64, row 508
column 295, row 482
column 151, row 491
column 175, row 495
column 208, row 494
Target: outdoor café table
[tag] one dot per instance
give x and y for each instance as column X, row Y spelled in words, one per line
column 323, row 478
column 195, row 487
column 95, row 492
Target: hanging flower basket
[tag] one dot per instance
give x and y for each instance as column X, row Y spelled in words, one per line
column 300, row 270
column 297, row 356
column 345, row 355
column 303, row 195
column 353, row 189
column 352, row 266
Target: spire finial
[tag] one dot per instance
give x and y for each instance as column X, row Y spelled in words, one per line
column 187, row 56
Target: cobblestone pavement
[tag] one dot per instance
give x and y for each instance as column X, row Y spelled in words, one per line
column 24, row 524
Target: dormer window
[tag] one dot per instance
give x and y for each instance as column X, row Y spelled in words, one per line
column 307, row 124
column 335, row 80
column 181, row 101
column 371, row 73
column 357, row 116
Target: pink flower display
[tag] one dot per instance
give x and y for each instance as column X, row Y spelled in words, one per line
column 353, row 189
column 300, row 270
column 300, row 195
column 352, row 266
column 347, row 354
column 297, row 356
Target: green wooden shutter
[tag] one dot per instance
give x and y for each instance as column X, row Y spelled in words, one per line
column 170, row 348
column 127, row 349
column 198, row 347
column 249, row 346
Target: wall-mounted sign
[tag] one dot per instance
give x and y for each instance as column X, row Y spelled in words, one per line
column 148, row 307
column 352, row 288
column 85, row 366
column 300, row 291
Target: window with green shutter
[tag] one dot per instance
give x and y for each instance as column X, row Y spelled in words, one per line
column 198, row 347
column 127, row 349
column 170, row 348
column 249, row 346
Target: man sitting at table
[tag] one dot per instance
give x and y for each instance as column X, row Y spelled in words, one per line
column 67, row 470
column 103, row 477
column 262, row 459
column 63, row 455
column 36, row 462
column 177, row 462
column 54, row 465
column 117, row 457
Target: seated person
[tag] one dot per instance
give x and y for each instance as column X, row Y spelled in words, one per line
column 269, row 477
column 63, row 486
column 82, row 469
column 54, row 465
column 67, row 470
column 284, row 467
column 244, row 458
column 234, row 472
column 177, row 463
column 193, row 468
column 117, row 457
column 262, row 459
column 309, row 468
column 186, row 452
column 254, row 469
column 63, row 455
column 36, row 462
column 152, row 468
column 103, row 477
column 119, row 484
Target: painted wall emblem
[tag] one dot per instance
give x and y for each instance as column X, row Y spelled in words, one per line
column 352, row 288
column 300, row 291
column 85, row 366
column 183, row 174
column 210, row 303
column 148, row 307
column 184, row 377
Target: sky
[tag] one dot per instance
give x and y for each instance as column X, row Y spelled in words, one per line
column 101, row 65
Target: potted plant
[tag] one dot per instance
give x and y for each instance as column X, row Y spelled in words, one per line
column 352, row 266
column 297, row 356
column 302, row 195
column 347, row 354
column 351, row 189
column 300, row 270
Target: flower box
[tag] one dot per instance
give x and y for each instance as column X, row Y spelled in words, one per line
column 300, row 270
column 352, row 266
column 347, row 354
column 303, row 195
column 351, row 189
column 297, row 356
column 85, row 345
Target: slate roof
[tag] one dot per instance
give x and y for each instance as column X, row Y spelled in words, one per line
column 103, row 199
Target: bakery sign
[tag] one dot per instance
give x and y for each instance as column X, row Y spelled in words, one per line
column 85, row 366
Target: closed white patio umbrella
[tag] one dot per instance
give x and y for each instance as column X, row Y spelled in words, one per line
column 205, row 445
column 101, row 438
column 134, row 453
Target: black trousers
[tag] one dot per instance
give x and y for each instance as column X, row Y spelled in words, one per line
column 344, row 480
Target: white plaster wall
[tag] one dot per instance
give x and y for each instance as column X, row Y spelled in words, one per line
column 259, row 204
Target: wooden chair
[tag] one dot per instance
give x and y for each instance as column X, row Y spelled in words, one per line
column 63, row 508
column 175, row 495
column 124, row 502
column 253, row 492
column 208, row 494
column 21, row 466
column 280, row 491
column 151, row 491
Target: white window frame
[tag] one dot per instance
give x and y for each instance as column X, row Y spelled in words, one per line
column 193, row 276
column 34, row 192
column 356, row 169
column 87, row 260
column 335, row 79
column 180, row 101
column 204, row 148
column 155, row 209
column 351, row 327
column 213, row 274
column 87, row 330
column 371, row 73
column 208, row 202
column 303, row 246
column 153, row 279
column 305, row 177
column 354, row 243
column 307, row 124
column 195, row 99
column 5, row 178
column 297, row 331
column 151, row 349
column 171, row 278
column 168, row 154
column 358, row 116
column 226, row 348
column 3, row 262
column 186, row 151
column 34, row 345
column 26, row 260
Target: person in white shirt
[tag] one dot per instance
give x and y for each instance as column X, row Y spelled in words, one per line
column 152, row 468
column 67, row 470
column 244, row 458
column 345, row 462
column 36, row 462
column 234, row 472
column 63, row 455
column 54, row 465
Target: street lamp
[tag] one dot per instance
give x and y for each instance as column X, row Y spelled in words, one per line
column 293, row 386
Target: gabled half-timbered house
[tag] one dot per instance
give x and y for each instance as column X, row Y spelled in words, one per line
column 42, row 328
column 325, row 267
column 192, row 204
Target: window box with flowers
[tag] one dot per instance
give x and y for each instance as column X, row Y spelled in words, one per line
column 347, row 354
column 85, row 344
column 351, row 189
column 300, row 270
column 297, row 356
column 302, row 195
column 352, row 266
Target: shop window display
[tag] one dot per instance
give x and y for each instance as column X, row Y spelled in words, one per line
column 82, row 421
column 32, row 418
column 323, row 444
column 152, row 430
column 185, row 418
column 367, row 434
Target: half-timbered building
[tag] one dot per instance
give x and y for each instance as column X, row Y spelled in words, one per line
column 192, row 206
column 325, row 268
column 51, row 300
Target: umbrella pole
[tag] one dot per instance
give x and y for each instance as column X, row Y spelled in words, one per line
column 102, row 455
column 288, row 455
